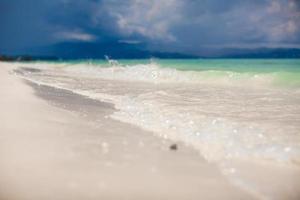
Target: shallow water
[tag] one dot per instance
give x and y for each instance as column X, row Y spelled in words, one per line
column 246, row 109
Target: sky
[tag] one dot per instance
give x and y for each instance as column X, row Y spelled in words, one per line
column 163, row 25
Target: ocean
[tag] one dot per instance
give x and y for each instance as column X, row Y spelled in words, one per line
column 227, row 109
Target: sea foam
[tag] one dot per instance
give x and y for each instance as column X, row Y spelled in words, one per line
column 223, row 114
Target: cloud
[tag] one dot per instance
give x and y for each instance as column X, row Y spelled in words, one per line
column 274, row 7
column 176, row 25
column 281, row 22
column 152, row 19
column 265, row 21
column 75, row 35
column 283, row 30
column 130, row 41
column 186, row 23
column 198, row 23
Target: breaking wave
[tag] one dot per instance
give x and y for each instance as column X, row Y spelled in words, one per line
column 155, row 73
column 222, row 113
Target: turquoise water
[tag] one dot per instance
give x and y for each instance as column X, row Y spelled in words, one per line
column 236, row 65
column 283, row 72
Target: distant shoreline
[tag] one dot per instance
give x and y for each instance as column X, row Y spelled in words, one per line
column 45, row 59
column 26, row 58
column 261, row 53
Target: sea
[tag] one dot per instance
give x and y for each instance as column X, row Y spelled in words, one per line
column 228, row 110
column 223, row 108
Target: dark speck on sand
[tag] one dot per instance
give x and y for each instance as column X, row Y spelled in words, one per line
column 173, row 147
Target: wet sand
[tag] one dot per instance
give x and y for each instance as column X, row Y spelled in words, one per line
column 58, row 145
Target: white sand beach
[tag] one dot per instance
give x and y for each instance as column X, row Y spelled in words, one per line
column 150, row 100
column 48, row 152
column 55, row 144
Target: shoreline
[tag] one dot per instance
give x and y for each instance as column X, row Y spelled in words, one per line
column 253, row 177
column 59, row 146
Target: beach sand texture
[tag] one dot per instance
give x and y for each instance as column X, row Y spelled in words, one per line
column 53, row 150
column 55, row 144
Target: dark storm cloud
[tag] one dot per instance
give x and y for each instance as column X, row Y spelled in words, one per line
column 170, row 24
column 297, row 3
column 241, row 23
column 21, row 24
